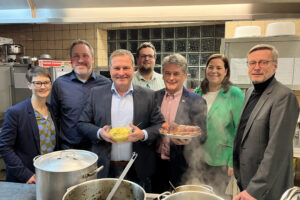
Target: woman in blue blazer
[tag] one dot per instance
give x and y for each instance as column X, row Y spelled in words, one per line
column 28, row 129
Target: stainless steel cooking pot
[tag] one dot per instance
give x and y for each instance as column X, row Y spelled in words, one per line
column 59, row 170
column 100, row 188
column 192, row 195
column 200, row 188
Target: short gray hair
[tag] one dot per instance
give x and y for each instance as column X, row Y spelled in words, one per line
column 175, row 59
column 76, row 42
column 265, row 47
column 121, row 52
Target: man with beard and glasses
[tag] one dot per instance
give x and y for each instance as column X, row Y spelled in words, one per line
column 70, row 93
column 146, row 76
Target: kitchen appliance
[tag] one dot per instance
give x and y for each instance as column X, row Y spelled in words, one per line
column 8, row 52
column 20, row 90
column 59, row 170
column 5, row 90
column 100, row 188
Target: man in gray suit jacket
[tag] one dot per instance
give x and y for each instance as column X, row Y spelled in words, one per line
column 122, row 104
column 263, row 146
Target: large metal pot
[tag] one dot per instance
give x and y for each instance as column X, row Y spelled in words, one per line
column 59, row 170
column 199, row 188
column 192, row 195
column 100, row 188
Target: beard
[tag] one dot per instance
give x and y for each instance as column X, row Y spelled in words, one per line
column 145, row 71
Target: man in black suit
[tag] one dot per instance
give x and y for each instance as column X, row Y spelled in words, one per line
column 122, row 104
column 182, row 107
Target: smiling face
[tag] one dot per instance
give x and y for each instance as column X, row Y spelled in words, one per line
column 146, row 60
column 40, row 90
column 82, row 61
column 215, row 72
column 261, row 72
column 122, row 71
column 174, row 78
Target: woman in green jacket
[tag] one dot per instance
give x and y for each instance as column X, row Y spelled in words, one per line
column 224, row 106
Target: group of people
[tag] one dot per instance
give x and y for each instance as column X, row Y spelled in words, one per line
column 246, row 136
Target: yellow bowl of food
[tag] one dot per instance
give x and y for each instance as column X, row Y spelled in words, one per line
column 120, row 134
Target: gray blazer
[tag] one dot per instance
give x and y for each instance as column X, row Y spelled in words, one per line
column 97, row 113
column 264, row 166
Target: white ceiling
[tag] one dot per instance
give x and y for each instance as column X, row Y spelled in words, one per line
column 76, row 11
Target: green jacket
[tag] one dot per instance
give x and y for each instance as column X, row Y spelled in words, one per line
column 222, row 122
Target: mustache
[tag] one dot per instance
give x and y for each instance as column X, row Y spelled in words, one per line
column 81, row 63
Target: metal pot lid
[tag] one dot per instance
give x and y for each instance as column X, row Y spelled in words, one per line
column 65, row 161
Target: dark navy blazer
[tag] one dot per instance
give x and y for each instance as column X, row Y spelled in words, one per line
column 20, row 141
column 191, row 110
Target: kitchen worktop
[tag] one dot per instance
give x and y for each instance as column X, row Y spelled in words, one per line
column 21, row 191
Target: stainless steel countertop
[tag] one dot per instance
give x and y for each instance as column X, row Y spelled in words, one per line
column 21, row 191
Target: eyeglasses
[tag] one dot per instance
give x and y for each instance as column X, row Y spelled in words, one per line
column 261, row 63
column 39, row 84
column 145, row 56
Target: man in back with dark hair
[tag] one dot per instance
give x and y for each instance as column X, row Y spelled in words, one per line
column 145, row 76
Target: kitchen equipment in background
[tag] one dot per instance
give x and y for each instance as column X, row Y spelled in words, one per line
column 59, row 170
column 20, row 90
column 8, row 52
column 56, row 72
column 14, row 49
column 5, row 90
column 247, row 31
column 45, row 57
column 25, row 60
column 100, row 188
column 281, row 28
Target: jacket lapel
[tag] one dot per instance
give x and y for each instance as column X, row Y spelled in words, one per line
column 181, row 105
column 264, row 97
column 107, row 105
column 33, row 125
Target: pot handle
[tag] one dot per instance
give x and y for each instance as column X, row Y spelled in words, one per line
column 36, row 157
column 208, row 187
column 93, row 172
column 163, row 195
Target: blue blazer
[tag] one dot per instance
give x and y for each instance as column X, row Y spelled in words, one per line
column 97, row 113
column 20, row 141
column 191, row 110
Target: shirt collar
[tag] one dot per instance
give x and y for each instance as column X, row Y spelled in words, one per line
column 74, row 77
column 175, row 95
column 140, row 77
column 114, row 90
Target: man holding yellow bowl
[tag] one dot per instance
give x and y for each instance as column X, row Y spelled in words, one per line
column 122, row 104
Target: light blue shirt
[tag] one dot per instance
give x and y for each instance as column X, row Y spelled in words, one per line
column 121, row 116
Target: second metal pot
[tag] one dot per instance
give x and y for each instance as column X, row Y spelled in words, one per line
column 193, row 195
column 59, row 170
column 100, row 188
